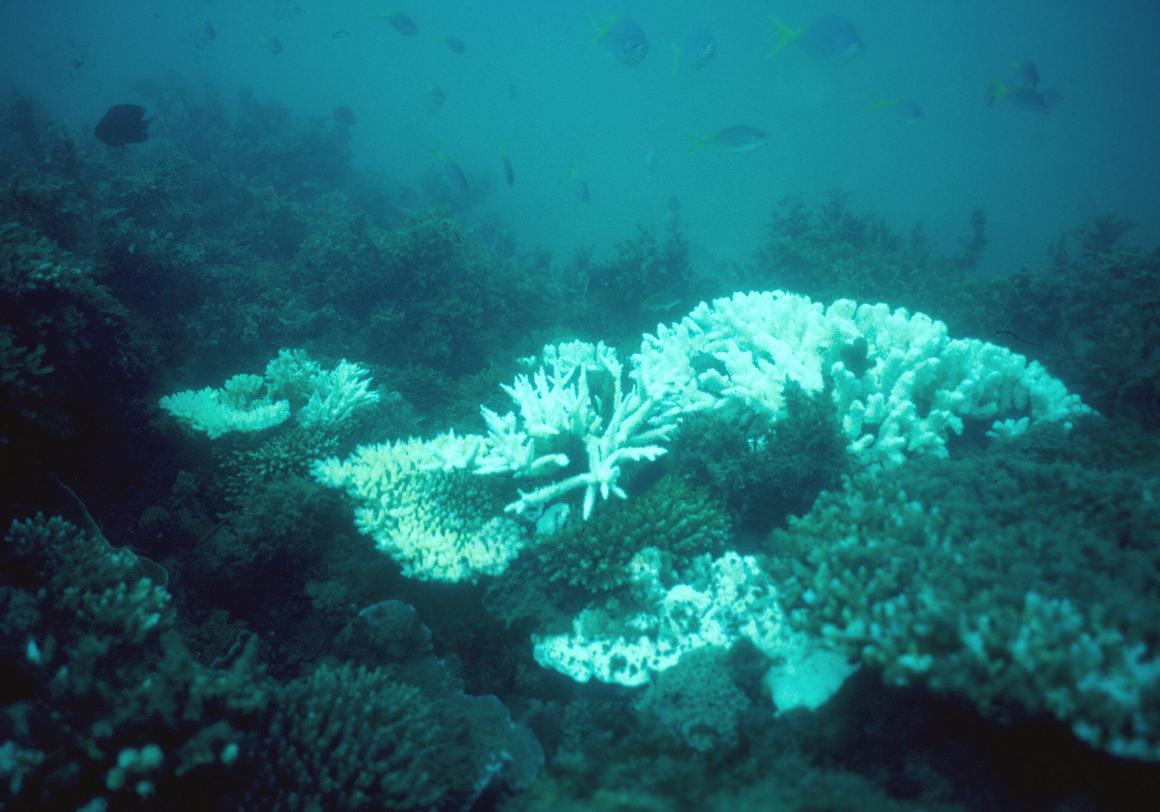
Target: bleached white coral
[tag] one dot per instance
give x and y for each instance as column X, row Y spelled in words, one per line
column 337, row 394
column 422, row 506
column 559, row 409
column 901, row 385
column 744, row 347
column 718, row 603
column 292, row 381
column 240, row 405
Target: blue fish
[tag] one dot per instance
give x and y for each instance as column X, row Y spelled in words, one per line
column 455, row 45
column 908, row 110
column 696, row 51
column 830, row 38
column 275, row 45
column 738, row 138
column 509, row 174
column 581, row 189
column 1030, row 99
column 400, row 22
column 624, row 38
column 452, row 172
column 1027, row 74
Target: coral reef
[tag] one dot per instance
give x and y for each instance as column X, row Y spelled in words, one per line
column 900, row 385
column 349, row 738
column 589, row 551
column 421, row 505
column 697, row 701
column 104, row 703
column 253, row 403
column 713, row 602
column 1023, row 584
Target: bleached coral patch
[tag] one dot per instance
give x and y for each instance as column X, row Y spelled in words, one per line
column 422, row 506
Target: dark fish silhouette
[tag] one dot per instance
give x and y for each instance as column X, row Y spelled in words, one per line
column 400, row 22
column 123, row 124
column 452, row 172
column 344, row 116
column 580, row 187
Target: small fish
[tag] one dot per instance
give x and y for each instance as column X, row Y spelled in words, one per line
column 1030, row 99
column 123, row 124
column 452, row 172
column 437, row 95
column 650, row 159
column 509, row 174
column 341, row 33
column 344, row 116
column 455, row 45
column 830, row 38
column 738, row 138
column 275, row 45
column 907, row 110
column 624, row 37
column 1027, row 74
column 660, row 302
column 400, row 22
column 695, row 52
column 580, row 188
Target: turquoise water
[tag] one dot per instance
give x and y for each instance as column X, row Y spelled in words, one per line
column 579, row 109
column 554, row 406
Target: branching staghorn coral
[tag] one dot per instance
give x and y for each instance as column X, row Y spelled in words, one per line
column 558, row 406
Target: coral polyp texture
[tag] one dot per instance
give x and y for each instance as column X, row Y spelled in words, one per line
column 717, row 602
column 1026, row 586
column 900, row 384
column 422, row 506
column 293, row 383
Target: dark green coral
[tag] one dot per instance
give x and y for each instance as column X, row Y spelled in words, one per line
column 347, row 738
column 764, row 469
column 1023, row 578
column 99, row 677
column 674, row 515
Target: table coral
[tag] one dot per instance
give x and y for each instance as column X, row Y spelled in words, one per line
column 420, row 503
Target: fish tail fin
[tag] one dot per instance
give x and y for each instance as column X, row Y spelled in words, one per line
column 785, row 36
column 700, row 141
column 879, row 103
column 600, row 28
